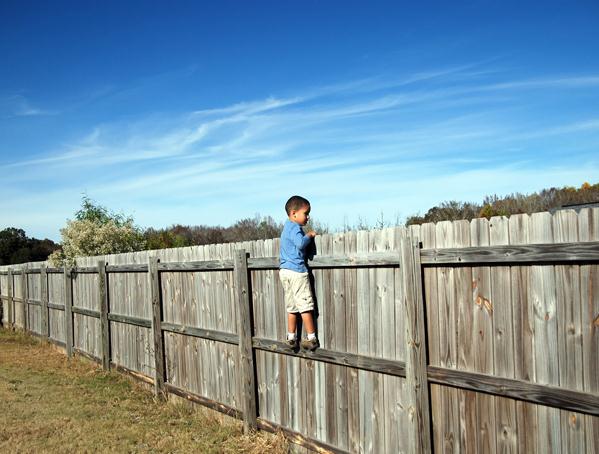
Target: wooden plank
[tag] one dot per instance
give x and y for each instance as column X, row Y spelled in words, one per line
column 483, row 337
column 142, row 322
column 325, row 261
column 327, row 322
column 201, row 333
column 385, row 281
column 281, row 320
column 447, row 339
column 415, row 339
column 267, row 399
column 206, row 265
column 228, row 385
column 514, row 254
column 129, row 268
column 543, row 294
column 214, row 386
column 545, row 395
column 569, row 331
column 86, row 312
column 24, row 296
column 206, row 402
column 363, row 325
column 351, row 329
column 503, row 342
column 361, row 362
column 44, row 301
column 376, row 243
column 523, row 316
column 339, row 342
column 320, row 369
column 84, row 269
column 246, row 354
column 264, row 401
column 428, row 233
column 11, row 303
column 59, row 307
column 68, row 305
column 155, row 293
column 51, row 270
column 465, row 308
column 588, row 224
column 104, row 310
column 277, row 330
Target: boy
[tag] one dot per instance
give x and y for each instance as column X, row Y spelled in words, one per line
column 294, row 273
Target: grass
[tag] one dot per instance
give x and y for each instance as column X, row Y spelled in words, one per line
column 51, row 404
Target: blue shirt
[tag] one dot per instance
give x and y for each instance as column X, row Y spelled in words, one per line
column 293, row 245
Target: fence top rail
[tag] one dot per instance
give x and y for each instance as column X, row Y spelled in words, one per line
column 514, row 254
column 580, row 252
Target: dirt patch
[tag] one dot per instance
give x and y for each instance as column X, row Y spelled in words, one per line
column 51, row 404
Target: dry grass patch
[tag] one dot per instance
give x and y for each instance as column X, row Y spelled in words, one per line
column 50, row 404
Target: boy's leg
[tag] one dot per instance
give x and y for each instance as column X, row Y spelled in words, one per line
column 291, row 339
column 291, row 322
column 308, row 322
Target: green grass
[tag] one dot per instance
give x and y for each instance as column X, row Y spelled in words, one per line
column 51, row 404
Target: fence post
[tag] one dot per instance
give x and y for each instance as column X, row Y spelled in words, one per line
column 44, row 297
column 415, row 337
column 245, row 329
column 68, row 309
column 104, row 309
column 155, row 292
column 25, row 298
column 10, row 316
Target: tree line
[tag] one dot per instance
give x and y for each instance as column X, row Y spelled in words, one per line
column 545, row 200
column 95, row 230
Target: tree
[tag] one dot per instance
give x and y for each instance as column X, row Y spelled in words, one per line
column 97, row 231
column 16, row 247
column 545, row 200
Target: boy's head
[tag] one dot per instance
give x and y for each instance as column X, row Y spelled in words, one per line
column 298, row 209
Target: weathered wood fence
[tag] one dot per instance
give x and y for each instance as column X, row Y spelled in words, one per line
column 477, row 336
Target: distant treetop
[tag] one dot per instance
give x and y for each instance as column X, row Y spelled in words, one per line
column 545, row 200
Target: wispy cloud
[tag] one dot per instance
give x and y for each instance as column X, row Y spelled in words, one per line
column 459, row 132
column 19, row 106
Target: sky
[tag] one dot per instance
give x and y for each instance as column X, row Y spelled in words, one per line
column 204, row 113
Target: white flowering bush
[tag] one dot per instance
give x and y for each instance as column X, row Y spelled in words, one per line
column 96, row 231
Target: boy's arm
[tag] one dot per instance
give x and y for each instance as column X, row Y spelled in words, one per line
column 300, row 240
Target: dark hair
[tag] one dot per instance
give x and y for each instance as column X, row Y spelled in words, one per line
column 295, row 203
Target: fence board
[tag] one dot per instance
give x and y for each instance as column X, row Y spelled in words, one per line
column 351, row 335
column 589, row 283
column 569, row 305
column 503, row 341
column 483, row 329
column 543, row 293
column 364, row 328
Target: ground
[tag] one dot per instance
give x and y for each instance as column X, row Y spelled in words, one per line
column 51, row 404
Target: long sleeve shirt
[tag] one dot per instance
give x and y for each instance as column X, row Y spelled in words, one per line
column 293, row 246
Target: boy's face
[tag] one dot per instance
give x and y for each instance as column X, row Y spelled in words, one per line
column 301, row 216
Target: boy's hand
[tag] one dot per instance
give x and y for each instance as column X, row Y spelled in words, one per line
column 311, row 233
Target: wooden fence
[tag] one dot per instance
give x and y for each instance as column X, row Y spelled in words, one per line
column 477, row 336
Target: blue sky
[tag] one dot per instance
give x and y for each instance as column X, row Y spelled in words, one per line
column 209, row 112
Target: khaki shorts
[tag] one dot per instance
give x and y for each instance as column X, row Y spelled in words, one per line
column 298, row 296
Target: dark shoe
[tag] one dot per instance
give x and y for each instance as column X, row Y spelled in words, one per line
column 291, row 343
column 309, row 344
